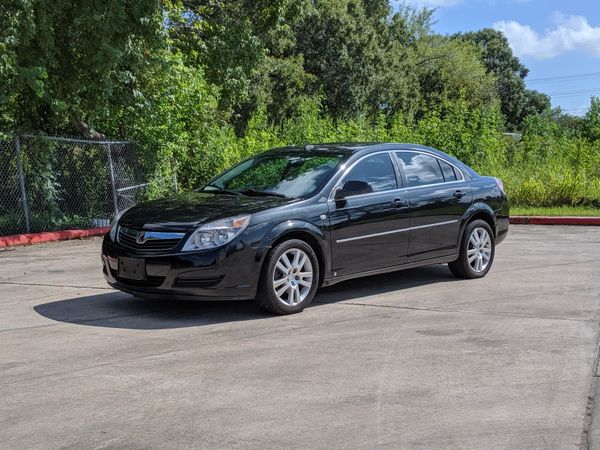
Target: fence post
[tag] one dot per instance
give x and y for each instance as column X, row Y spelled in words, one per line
column 112, row 178
column 174, row 176
column 22, row 183
column 175, row 186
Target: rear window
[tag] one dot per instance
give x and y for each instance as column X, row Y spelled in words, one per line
column 420, row 169
column 448, row 171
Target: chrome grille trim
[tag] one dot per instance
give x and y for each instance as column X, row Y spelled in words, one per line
column 150, row 242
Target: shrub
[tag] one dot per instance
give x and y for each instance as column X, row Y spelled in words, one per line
column 548, row 166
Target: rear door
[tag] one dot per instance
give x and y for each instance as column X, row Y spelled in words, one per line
column 439, row 196
column 370, row 231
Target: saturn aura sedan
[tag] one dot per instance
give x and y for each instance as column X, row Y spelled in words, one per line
column 281, row 224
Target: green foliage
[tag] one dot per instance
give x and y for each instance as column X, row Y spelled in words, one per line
column 580, row 211
column 551, row 166
column 351, row 55
column 471, row 135
column 67, row 65
column 497, row 56
column 449, row 69
column 591, row 123
column 176, row 122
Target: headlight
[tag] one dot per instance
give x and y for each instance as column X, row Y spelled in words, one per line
column 216, row 234
column 114, row 226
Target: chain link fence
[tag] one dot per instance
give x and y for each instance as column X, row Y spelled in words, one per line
column 49, row 183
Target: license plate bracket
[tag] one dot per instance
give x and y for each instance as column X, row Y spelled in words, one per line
column 132, row 268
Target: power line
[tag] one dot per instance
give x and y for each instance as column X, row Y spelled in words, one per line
column 560, row 78
column 579, row 91
column 570, row 80
column 575, row 112
column 575, row 93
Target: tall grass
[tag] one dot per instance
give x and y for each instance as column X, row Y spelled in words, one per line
column 546, row 167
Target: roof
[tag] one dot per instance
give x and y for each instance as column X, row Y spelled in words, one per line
column 352, row 147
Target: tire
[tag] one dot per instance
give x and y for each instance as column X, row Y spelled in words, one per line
column 288, row 287
column 477, row 246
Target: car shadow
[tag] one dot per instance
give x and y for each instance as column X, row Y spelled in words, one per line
column 119, row 310
column 380, row 284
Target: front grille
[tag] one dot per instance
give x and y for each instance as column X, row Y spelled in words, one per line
column 151, row 242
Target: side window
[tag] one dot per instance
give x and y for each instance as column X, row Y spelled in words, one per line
column 376, row 170
column 420, row 169
column 448, row 171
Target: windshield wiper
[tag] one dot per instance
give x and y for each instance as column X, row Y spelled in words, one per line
column 221, row 189
column 257, row 192
column 248, row 191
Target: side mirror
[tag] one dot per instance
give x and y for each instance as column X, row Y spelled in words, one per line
column 354, row 187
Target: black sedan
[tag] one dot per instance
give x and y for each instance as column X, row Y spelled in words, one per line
column 282, row 223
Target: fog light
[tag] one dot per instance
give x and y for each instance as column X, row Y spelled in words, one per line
column 113, row 262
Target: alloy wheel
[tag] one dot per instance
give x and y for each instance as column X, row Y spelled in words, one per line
column 479, row 250
column 292, row 277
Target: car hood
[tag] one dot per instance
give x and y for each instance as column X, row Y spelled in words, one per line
column 185, row 211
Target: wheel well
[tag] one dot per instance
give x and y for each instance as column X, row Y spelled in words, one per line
column 486, row 218
column 310, row 240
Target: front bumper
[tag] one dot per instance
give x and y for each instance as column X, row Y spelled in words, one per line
column 228, row 273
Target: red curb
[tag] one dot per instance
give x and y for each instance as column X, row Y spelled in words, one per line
column 559, row 220
column 49, row 236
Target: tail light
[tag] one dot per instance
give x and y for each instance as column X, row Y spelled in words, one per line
column 500, row 184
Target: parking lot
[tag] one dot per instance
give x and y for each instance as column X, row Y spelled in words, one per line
column 410, row 359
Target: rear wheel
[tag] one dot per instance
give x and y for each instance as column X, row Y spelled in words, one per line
column 289, row 279
column 476, row 251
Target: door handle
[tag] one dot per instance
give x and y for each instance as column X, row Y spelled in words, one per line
column 399, row 203
column 459, row 194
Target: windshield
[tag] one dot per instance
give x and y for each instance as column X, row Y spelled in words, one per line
column 289, row 175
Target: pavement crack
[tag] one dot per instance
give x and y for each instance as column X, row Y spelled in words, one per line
column 527, row 295
column 457, row 311
column 16, row 283
column 590, row 407
column 544, row 266
column 85, row 321
column 29, row 328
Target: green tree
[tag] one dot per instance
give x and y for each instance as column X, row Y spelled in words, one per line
column 66, row 67
column 591, row 121
column 451, row 70
column 342, row 50
column 246, row 48
column 397, row 84
column 516, row 101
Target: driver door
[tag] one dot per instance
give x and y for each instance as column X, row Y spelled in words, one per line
column 369, row 229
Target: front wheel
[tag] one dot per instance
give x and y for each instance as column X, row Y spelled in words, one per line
column 476, row 251
column 289, row 279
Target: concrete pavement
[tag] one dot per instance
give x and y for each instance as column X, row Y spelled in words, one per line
column 414, row 359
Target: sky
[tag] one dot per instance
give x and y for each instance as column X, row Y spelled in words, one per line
column 558, row 41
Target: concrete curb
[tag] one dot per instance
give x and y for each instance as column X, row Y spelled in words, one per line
column 49, row 236
column 558, row 220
